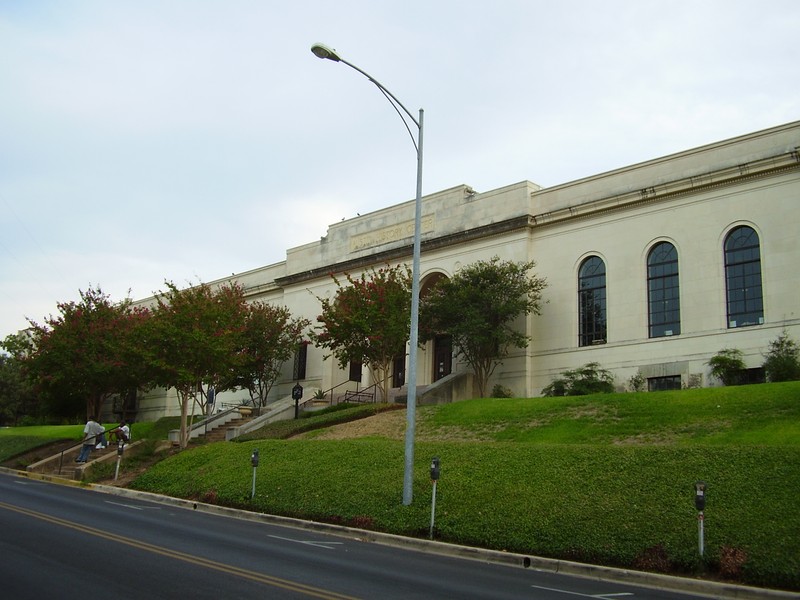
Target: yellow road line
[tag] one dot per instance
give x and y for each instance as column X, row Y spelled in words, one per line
column 293, row 586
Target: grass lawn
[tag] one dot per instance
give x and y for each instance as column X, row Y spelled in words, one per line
column 18, row 440
column 607, row 479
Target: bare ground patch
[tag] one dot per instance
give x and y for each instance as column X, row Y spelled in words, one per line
column 392, row 425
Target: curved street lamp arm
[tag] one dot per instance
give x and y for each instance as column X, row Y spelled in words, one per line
column 322, row 51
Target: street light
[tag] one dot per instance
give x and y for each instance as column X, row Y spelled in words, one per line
column 322, row 51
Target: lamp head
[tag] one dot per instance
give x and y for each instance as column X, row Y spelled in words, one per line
column 323, row 51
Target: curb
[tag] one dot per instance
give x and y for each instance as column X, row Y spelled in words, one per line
column 711, row 589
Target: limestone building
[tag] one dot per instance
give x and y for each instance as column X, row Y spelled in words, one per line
column 651, row 268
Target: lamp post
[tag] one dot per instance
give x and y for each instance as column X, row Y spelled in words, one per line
column 322, row 51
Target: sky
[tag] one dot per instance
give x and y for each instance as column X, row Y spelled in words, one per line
column 186, row 140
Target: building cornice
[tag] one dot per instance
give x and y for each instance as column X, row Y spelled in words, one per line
column 757, row 169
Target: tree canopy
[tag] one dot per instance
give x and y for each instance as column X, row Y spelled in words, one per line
column 478, row 308
column 195, row 337
column 17, row 400
column 270, row 337
column 368, row 320
column 85, row 355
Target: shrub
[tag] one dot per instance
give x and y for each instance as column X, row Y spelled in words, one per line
column 500, row 391
column 783, row 359
column 727, row 365
column 588, row 379
column 637, row 383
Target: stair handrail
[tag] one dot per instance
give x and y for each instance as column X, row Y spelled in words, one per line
column 365, row 393
column 330, row 391
column 70, row 448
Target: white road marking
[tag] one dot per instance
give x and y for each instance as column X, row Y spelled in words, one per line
column 326, row 545
column 600, row 596
column 132, row 506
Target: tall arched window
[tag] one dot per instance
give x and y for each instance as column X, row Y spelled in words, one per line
column 663, row 298
column 743, row 278
column 592, row 302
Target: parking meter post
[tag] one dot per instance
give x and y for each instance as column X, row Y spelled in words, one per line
column 435, row 471
column 700, row 533
column 254, row 462
column 700, row 505
column 120, row 447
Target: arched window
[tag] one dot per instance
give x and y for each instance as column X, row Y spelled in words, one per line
column 663, row 298
column 592, row 302
column 743, row 278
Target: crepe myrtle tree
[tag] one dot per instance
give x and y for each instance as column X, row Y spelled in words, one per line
column 367, row 320
column 270, row 337
column 17, row 398
column 86, row 354
column 195, row 339
column 478, row 308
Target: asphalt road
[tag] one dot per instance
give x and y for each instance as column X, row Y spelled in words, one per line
column 66, row 542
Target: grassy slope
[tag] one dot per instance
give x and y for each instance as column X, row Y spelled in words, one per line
column 607, row 479
column 18, row 440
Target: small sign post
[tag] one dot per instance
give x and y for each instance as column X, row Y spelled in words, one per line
column 297, row 395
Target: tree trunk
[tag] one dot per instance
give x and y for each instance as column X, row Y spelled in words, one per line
column 183, row 438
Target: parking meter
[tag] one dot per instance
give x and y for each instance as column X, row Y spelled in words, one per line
column 435, row 470
column 700, row 503
column 700, row 495
column 254, row 462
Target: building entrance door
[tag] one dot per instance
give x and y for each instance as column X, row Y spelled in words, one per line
column 398, row 371
column 442, row 356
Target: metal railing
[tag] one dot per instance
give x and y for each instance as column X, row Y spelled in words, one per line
column 365, row 395
column 330, row 391
column 79, row 444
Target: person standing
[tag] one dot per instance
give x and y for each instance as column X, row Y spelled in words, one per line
column 91, row 433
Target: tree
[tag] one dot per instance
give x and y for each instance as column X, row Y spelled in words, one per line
column 588, row 379
column 17, row 400
column 727, row 365
column 783, row 359
column 478, row 308
column 84, row 356
column 270, row 337
column 368, row 320
column 195, row 337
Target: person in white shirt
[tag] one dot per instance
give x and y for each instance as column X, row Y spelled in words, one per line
column 91, row 434
column 122, row 433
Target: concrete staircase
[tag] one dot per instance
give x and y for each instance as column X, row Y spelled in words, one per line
column 218, row 434
column 65, row 467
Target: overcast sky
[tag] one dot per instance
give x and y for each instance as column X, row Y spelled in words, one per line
column 185, row 140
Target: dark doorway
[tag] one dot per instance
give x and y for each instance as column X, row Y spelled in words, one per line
column 398, row 371
column 442, row 356
column 355, row 371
